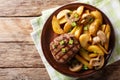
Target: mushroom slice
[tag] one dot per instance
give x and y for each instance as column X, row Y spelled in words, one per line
column 102, row 36
column 86, row 19
column 76, row 68
column 62, row 13
column 96, row 40
column 74, row 16
column 97, row 62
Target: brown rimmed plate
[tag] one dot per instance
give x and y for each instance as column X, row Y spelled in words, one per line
column 48, row 35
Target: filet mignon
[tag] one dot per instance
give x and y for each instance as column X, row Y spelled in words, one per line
column 64, row 47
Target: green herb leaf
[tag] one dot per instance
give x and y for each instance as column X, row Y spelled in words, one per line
column 73, row 24
column 63, row 50
column 54, row 46
column 62, row 42
column 76, row 15
column 91, row 20
column 70, row 41
column 85, row 28
column 85, row 67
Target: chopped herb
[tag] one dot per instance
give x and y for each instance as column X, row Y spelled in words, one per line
column 73, row 24
column 91, row 20
column 70, row 41
column 76, row 15
column 63, row 50
column 54, row 46
column 62, row 42
column 70, row 30
column 85, row 28
column 85, row 67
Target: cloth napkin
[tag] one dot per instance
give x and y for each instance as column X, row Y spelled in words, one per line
column 110, row 7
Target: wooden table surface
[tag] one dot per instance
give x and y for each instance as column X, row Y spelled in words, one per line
column 19, row 59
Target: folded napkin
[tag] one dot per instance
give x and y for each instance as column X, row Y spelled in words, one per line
column 110, row 7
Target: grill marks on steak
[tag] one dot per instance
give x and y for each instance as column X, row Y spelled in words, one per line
column 70, row 49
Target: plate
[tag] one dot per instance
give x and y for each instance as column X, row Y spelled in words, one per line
column 48, row 35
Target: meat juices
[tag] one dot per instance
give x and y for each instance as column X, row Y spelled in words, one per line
column 64, row 47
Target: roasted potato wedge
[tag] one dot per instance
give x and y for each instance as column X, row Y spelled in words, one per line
column 67, row 27
column 107, row 29
column 103, row 27
column 97, row 15
column 73, row 30
column 102, row 48
column 107, row 43
column 107, row 33
column 78, row 31
column 95, row 49
column 62, row 13
column 62, row 20
column 83, row 61
column 93, row 55
column 94, row 27
column 80, row 10
column 56, row 26
column 84, row 39
column 85, row 55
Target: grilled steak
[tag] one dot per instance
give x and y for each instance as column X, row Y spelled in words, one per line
column 64, row 47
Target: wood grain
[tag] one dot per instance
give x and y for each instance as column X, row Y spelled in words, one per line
column 23, row 74
column 19, row 55
column 19, row 59
column 27, row 7
column 15, row 29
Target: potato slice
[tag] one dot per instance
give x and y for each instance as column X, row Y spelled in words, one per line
column 56, row 26
column 67, row 27
column 93, row 55
column 84, row 39
column 97, row 15
column 62, row 13
column 73, row 30
column 85, row 55
column 83, row 61
column 107, row 29
column 95, row 49
column 78, row 31
column 107, row 33
column 94, row 27
column 102, row 48
column 103, row 27
column 80, row 10
column 107, row 43
column 96, row 23
column 62, row 20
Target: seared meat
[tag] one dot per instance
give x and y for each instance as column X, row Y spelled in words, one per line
column 64, row 47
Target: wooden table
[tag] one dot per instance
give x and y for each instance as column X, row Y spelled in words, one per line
column 19, row 59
